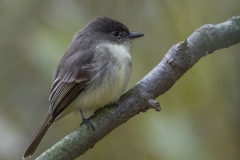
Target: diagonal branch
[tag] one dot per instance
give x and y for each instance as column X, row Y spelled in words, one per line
column 181, row 57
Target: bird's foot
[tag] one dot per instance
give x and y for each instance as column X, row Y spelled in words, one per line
column 86, row 121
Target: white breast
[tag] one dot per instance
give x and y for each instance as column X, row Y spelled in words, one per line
column 113, row 83
column 121, row 52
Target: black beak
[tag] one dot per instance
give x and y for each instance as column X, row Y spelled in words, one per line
column 135, row 35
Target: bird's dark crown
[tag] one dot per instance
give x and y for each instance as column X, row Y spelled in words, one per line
column 108, row 26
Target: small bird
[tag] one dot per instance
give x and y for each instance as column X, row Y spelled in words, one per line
column 93, row 72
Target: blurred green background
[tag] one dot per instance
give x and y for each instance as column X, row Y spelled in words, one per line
column 201, row 114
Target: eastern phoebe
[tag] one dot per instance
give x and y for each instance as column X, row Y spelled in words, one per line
column 93, row 72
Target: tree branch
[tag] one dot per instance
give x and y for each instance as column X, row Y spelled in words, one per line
column 181, row 57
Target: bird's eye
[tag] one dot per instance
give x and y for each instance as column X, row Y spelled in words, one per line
column 116, row 33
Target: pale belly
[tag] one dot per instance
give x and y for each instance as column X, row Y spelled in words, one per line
column 111, row 88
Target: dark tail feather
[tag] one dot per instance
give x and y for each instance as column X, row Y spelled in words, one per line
column 38, row 136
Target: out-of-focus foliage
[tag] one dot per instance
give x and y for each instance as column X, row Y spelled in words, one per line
column 200, row 117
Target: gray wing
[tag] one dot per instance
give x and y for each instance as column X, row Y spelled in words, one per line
column 65, row 90
column 71, row 78
column 74, row 73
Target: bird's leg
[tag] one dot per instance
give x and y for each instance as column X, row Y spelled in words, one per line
column 85, row 120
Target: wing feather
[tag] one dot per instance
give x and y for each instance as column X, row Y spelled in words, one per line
column 64, row 92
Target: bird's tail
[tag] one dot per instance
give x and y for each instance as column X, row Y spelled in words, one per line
column 38, row 135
